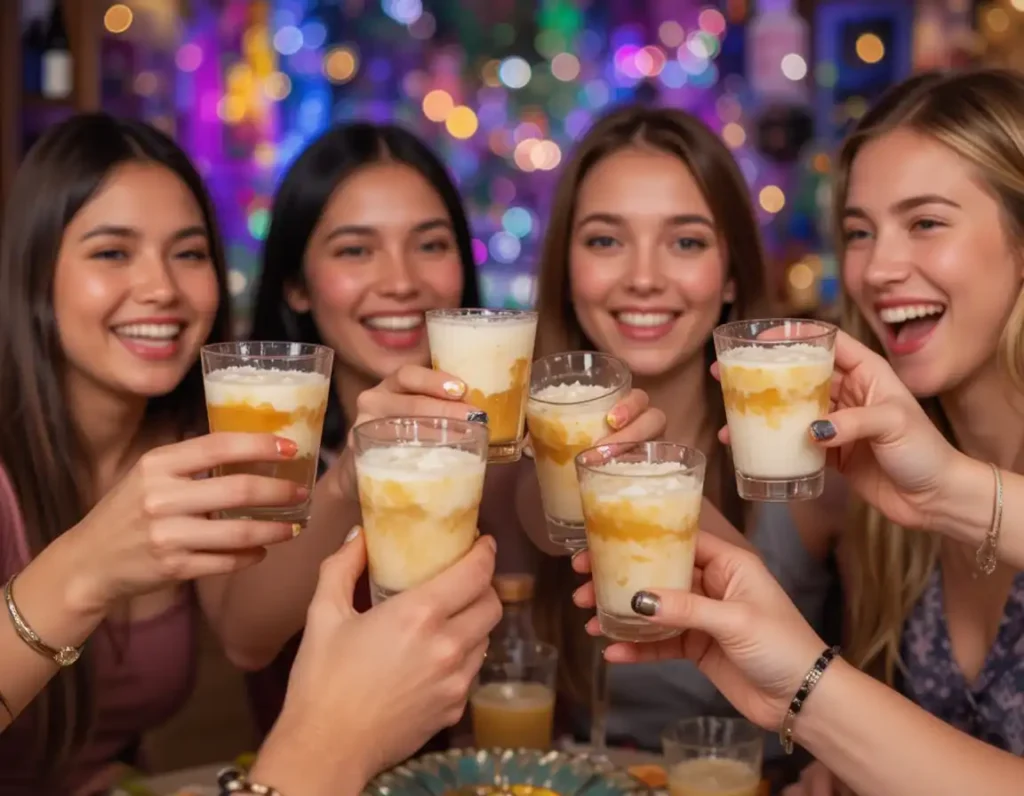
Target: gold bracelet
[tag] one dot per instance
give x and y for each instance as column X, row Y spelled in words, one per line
column 62, row 656
column 987, row 554
column 6, row 706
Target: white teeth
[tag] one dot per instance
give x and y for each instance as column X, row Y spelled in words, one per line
column 394, row 323
column 909, row 312
column 645, row 318
column 150, row 331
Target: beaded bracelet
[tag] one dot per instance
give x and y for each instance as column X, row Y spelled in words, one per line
column 810, row 680
column 234, row 780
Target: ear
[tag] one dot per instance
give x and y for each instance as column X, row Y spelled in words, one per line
column 729, row 292
column 297, row 297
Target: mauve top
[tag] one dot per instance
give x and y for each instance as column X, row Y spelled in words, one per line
column 992, row 707
column 144, row 672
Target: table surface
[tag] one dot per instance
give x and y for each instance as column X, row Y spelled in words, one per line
column 204, row 777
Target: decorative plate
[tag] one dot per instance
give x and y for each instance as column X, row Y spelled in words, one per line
column 521, row 772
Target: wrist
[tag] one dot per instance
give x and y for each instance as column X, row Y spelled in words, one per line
column 299, row 760
column 962, row 508
column 817, row 718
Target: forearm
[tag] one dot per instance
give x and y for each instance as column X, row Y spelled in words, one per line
column 256, row 610
column 881, row 744
column 965, row 509
column 56, row 603
column 296, row 764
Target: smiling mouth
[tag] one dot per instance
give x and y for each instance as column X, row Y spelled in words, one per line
column 394, row 323
column 912, row 322
column 645, row 320
column 152, row 334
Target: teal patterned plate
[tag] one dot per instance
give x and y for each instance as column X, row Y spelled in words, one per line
column 474, row 772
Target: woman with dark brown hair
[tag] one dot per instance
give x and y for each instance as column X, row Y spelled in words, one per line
column 652, row 241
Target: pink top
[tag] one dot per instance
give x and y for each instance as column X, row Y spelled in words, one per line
column 144, row 672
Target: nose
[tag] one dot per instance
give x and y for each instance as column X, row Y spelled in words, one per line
column 154, row 280
column 645, row 275
column 397, row 277
column 889, row 263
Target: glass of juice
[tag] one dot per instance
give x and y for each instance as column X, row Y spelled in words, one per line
column 513, row 703
column 571, row 395
column 491, row 351
column 272, row 388
column 641, row 506
column 710, row 756
column 420, row 482
column 776, row 379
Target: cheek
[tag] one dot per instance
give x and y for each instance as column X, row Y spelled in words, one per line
column 81, row 299
column 592, row 279
column 202, row 290
column 442, row 281
column 701, row 283
column 334, row 295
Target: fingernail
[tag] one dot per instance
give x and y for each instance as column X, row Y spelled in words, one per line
column 613, row 418
column 302, row 492
column 645, row 603
column 575, row 594
column 356, row 530
column 823, row 430
column 492, row 543
column 576, row 553
column 476, row 416
column 296, row 529
column 286, row 447
column 456, row 389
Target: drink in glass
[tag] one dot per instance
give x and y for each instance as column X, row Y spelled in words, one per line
column 570, row 397
column 709, row 756
column 491, row 351
column 641, row 504
column 273, row 388
column 776, row 375
column 513, row 704
column 420, row 482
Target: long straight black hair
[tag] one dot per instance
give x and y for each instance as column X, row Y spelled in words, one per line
column 39, row 446
column 300, row 201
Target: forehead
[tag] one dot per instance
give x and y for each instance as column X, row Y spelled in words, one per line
column 143, row 196
column 641, row 182
column 903, row 164
column 385, row 194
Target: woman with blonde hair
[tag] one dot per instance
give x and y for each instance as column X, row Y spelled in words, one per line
column 930, row 211
column 652, row 241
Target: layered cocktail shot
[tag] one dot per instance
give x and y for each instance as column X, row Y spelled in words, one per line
column 641, row 506
column 272, row 388
column 420, row 483
column 570, row 397
column 776, row 377
column 491, row 351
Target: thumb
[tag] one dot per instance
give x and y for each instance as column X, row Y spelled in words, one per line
column 340, row 572
column 684, row 610
column 883, row 422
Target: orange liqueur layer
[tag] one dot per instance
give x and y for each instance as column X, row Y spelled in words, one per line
column 551, row 441
column 395, row 509
column 262, row 418
column 760, row 391
column 504, row 409
column 624, row 521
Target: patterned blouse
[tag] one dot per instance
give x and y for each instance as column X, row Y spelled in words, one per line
column 990, row 709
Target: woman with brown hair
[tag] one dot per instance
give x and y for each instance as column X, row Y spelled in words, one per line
column 652, row 242
column 929, row 206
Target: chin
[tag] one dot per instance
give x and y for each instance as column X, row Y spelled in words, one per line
column 647, row 364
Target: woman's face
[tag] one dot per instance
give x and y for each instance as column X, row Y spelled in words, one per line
column 928, row 261
column 382, row 254
column 135, row 291
column 647, row 268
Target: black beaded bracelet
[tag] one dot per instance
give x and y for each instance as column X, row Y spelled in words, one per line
column 234, row 780
column 810, row 681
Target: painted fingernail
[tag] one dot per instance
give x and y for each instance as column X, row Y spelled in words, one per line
column 456, row 389
column 286, row 447
column 492, row 543
column 645, row 603
column 296, row 529
column 356, row 530
column 476, row 416
column 823, row 430
column 614, row 418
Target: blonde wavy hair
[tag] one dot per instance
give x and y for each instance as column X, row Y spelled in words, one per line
column 979, row 115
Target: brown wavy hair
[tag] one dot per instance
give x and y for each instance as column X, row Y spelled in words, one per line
column 686, row 138
column 979, row 115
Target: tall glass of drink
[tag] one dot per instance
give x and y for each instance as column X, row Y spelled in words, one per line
column 570, row 397
column 641, row 504
column 513, row 704
column 420, row 482
column 491, row 351
column 710, row 756
column 776, row 376
column 273, row 388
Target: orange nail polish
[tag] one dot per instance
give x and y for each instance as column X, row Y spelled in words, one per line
column 612, row 419
column 286, row 447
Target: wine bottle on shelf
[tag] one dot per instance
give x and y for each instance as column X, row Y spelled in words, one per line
column 32, row 42
column 57, row 73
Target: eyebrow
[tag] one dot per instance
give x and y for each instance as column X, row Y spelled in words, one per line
column 130, row 232
column 365, row 231
column 905, row 205
column 675, row 221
